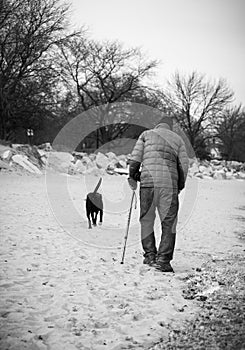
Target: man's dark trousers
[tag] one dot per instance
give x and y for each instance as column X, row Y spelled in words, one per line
column 166, row 202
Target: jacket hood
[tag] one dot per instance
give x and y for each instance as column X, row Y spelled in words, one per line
column 166, row 122
column 163, row 126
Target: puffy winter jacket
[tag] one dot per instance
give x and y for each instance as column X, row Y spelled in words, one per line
column 163, row 159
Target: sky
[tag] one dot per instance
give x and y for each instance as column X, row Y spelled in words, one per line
column 207, row 36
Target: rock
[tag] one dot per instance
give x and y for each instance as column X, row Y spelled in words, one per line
column 92, row 157
column 199, row 175
column 234, row 165
column 60, row 161
column 79, row 155
column 42, row 153
column 242, row 167
column 123, row 157
column 207, row 177
column 95, row 171
column 102, row 161
column 80, row 167
column 111, row 156
column 98, row 163
column 121, row 171
column 236, row 175
column 46, row 147
column 122, row 164
column 88, row 161
column 15, row 145
column 23, row 161
column 6, row 155
column 194, row 169
column 215, row 162
column 4, row 165
column 219, row 175
column 206, row 170
column 202, row 168
column 3, row 148
column 230, row 175
column 241, row 175
column 32, row 153
column 6, row 152
column 192, row 161
column 218, row 167
column 114, row 161
column 44, row 156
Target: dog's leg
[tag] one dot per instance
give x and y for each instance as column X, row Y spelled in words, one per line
column 95, row 218
column 89, row 223
column 88, row 211
column 101, row 216
column 89, row 220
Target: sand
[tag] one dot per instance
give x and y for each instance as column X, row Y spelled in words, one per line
column 62, row 285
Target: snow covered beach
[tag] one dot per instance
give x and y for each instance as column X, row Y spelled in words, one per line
column 62, row 292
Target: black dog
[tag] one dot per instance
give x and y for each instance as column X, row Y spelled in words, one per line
column 94, row 205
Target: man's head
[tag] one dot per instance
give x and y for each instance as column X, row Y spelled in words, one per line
column 167, row 122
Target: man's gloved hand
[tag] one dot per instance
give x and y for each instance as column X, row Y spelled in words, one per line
column 132, row 183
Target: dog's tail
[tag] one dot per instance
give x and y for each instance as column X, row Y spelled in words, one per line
column 98, row 185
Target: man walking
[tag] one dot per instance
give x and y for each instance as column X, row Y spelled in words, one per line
column 162, row 157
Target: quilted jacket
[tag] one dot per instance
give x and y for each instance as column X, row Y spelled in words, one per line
column 162, row 156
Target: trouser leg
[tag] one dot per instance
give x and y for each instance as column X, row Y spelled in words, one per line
column 147, row 218
column 168, row 206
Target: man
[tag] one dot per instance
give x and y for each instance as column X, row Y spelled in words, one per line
column 162, row 157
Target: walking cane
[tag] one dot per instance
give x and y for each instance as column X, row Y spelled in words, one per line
column 128, row 223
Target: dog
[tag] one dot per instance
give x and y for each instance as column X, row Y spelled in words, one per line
column 94, row 206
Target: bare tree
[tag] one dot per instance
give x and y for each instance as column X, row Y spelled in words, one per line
column 102, row 74
column 230, row 130
column 197, row 103
column 29, row 29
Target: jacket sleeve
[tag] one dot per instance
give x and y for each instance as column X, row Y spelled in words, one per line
column 136, row 158
column 182, row 166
